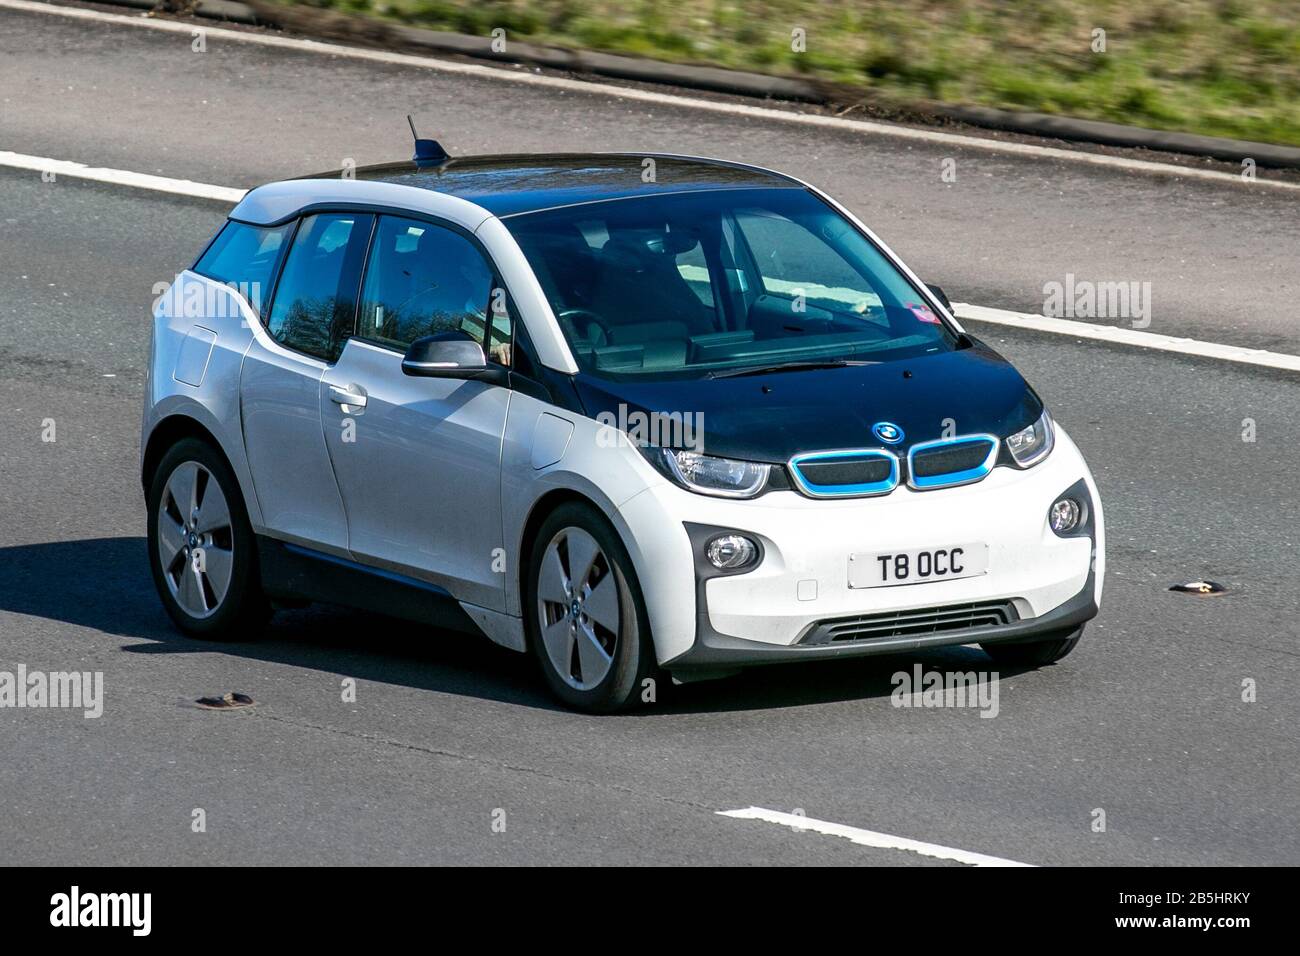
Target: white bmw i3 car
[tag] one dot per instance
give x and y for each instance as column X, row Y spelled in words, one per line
column 633, row 425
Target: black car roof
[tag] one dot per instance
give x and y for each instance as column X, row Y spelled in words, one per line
column 516, row 183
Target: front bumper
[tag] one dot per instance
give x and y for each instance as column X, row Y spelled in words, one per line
column 712, row 652
column 703, row 621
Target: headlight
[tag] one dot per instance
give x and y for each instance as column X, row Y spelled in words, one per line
column 1031, row 445
column 708, row 475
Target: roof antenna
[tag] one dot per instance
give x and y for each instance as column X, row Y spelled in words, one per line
column 427, row 151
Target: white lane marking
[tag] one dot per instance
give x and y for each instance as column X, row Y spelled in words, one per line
column 121, row 177
column 1122, row 336
column 976, row 313
column 861, row 837
column 662, row 99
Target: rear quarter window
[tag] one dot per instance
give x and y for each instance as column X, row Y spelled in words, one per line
column 245, row 257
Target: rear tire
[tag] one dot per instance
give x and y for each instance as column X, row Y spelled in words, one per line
column 585, row 617
column 201, row 547
column 1034, row 653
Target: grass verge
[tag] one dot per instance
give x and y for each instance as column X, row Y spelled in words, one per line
column 1216, row 67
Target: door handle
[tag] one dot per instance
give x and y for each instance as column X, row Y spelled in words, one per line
column 345, row 396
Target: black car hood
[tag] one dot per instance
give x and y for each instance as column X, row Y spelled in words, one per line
column 773, row 416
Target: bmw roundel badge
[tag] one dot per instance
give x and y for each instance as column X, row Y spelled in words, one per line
column 887, row 432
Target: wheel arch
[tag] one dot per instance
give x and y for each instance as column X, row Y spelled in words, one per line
column 175, row 418
column 593, row 498
column 542, row 509
column 168, row 432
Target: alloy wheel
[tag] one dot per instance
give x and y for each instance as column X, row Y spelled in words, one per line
column 578, row 608
column 195, row 540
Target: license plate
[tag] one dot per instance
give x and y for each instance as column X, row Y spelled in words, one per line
column 885, row 569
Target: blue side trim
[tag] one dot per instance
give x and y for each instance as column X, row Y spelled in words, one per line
column 952, row 479
column 366, row 569
column 846, row 491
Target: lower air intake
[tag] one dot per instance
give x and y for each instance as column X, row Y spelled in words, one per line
column 915, row 622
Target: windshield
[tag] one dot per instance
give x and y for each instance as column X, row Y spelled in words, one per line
column 689, row 285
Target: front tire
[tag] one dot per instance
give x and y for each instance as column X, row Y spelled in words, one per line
column 1034, row 653
column 586, row 619
column 201, row 548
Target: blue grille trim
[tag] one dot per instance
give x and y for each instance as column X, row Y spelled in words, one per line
column 845, row 491
column 952, row 479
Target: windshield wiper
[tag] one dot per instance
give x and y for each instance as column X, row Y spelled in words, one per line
column 797, row 366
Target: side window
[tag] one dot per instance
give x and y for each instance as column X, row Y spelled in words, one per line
column 423, row 279
column 316, row 299
column 245, row 257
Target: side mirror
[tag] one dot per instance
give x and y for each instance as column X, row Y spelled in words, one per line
column 446, row 355
column 940, row 295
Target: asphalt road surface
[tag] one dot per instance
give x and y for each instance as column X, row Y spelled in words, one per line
column 449, row 735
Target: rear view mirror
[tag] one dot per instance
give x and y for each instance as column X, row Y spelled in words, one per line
column 446, row 355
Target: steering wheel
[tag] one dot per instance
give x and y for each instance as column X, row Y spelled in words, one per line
column 571, row 314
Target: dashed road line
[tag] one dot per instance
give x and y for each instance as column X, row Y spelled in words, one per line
column 120, row 177
column 1134, row 337
column 883, row 841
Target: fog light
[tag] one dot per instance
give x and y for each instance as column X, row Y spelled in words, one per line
column 729, row 552
column 1065, row 516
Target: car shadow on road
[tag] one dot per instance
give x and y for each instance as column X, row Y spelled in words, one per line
column 801, row 684
column 104, row 584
